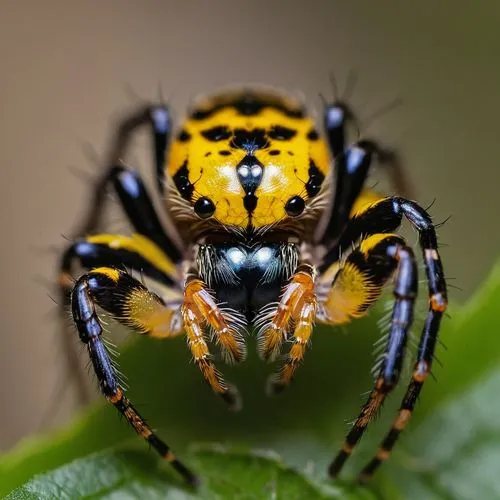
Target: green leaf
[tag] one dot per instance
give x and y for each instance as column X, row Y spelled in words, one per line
column 451, row 449
column 226, row 474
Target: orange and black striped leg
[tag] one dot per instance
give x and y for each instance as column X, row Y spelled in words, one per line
column 198, row 311
column 405, row 291
column 422, row 368
column 129, row 302
column 297, row 307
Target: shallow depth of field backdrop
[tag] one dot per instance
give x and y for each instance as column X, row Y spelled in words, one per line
column 64, row 74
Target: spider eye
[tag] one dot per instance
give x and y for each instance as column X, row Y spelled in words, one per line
column 204, row 207
column 295, row 206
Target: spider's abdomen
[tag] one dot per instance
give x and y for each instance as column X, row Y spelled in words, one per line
column 246, row 278
column 248, row 159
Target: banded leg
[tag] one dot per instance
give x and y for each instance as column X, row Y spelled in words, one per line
column 382, row 217
column 297, row 307
column 200, row 309
column 133, row 252
column 385, row 216
column 303, row 317
column 130, row 303
column 138, row 207
column 112, row 250
column 421, row 369
column 142, row 215
column 157, row 117
column 398, row 255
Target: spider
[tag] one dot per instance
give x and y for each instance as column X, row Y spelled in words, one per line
column 278, row 231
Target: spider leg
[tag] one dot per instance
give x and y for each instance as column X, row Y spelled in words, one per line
column 140, row 210
column 421, row 370
column 157, row 117
column 352, row 165
column 112, row 250
column 133, row 252
column 138, row 207
column 385, row 216
column 200, row 309
column 391, row 253
column 130, row 303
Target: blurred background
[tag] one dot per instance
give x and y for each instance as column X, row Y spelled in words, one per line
column 68, row 70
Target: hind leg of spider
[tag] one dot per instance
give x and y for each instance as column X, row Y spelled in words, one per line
column 352, row 166
column 356, row 287
column 130, row 303
column 200, row 310
column 157, row 117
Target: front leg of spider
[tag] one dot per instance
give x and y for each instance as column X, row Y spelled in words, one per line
column 130, row 303
column 157, row 117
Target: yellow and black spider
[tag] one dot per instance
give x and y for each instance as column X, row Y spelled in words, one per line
column 278, row 232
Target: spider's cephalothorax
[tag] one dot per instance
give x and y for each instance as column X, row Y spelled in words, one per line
column 270, row 236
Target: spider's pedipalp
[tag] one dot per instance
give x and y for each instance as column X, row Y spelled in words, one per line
column 200, row 309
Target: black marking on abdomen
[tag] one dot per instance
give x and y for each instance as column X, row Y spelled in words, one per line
column 281, row 133
column 182, row 182
column 184, row 136
column 313, row 135
column 215, row 134
column 247, row 104
column 249, row 140
column 250, row 202
column 316, row 178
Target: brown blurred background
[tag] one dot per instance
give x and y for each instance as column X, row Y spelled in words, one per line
column 65, row 70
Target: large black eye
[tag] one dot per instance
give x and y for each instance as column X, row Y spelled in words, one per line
column 204, row 207
column 295, row 206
